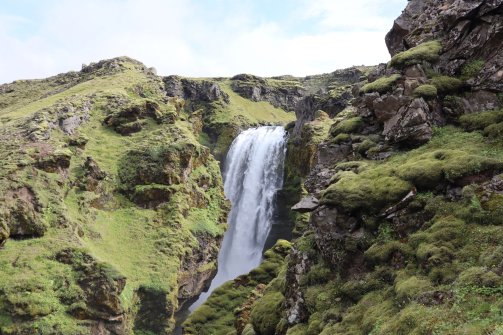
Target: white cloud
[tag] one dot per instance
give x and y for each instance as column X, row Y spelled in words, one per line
column 352, row 14
column 181, row 37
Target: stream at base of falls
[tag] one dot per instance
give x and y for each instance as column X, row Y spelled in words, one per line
column 253, row 175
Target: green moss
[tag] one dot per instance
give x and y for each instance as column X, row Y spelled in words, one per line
column 446, row 84
column 414, row 319
column 216, row 315
column 426, row 91
column 299, row 329
column 382, row 253
column 381, row 85
column 367, row 191
column 472, row 69
column 481, row 120
column 479, row 276
column 410, row 287
column 340, row 138
column 494, row 130
column 346, row 126
column 265, row 314
column 425, row 52
column 365, row 146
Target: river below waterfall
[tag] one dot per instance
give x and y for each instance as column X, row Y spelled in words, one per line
column 253, row 175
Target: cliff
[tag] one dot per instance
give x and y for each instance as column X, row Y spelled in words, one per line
column 399, row 223
column 112, row 209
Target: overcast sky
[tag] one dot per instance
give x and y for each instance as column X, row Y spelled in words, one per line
column 194, row 37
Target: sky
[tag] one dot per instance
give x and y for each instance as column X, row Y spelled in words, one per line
column 196, row 38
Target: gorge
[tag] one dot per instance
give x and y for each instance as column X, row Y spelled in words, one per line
column 252, row 176
column 124, row 194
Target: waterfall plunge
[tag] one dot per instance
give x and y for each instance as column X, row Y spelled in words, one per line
column 253, row 174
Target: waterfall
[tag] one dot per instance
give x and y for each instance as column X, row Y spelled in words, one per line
column 252, row 176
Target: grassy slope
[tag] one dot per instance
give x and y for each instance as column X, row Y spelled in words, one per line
column 137, row 242
column 123, row 235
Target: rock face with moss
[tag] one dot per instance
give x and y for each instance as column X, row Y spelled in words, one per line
column 400, row 221
column 471, row 32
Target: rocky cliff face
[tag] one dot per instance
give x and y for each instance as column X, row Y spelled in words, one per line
column 111, row 208
column 400, row 224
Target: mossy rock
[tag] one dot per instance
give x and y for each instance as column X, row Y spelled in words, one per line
column 413, row 319
column 494, row 131
column 365, row 146
column 425, row 52
column 346, row 126
column 265, row 314
column 217, row 314
column 381, row 85
column 365, row 191
column 429, row 169
column 300, row 329
column 426, row 91
column 446, row 84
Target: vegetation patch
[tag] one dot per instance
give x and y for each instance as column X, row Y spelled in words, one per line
column 446, row 84
column 425, row 52
column 386, row 183
column 381, row 85
column 426, row 91
column 216, row 315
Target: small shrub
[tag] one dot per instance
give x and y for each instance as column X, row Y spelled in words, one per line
column 426, row 91
column 446, row 84
column 427, row 51
column 381, row 85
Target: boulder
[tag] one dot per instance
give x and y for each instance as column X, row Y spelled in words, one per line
column 411, row 125
column 306, row 204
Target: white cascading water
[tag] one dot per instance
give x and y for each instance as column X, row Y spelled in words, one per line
column 252, row 176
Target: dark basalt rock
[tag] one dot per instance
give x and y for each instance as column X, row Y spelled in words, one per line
column 20, row 215
column 411, row 124
column 468, row 31
column 285, row 96
column 55, row 161
column 306, row 204
column 102, row 286
column 189, row 89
